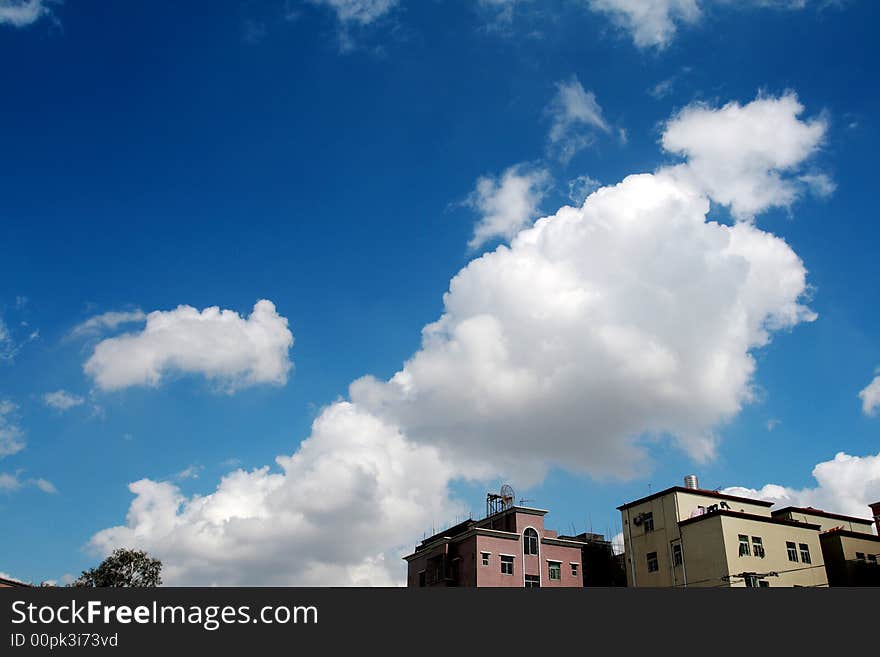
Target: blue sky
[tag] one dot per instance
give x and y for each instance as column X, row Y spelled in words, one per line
column 334, row 158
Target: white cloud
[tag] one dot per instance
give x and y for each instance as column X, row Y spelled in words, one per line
column 569, row 346
column 772, row 423
column 742, row 155
column 599, row 329
column 341, row 511
column 9, row 345
column 820, row 184
column 219, row 344
column 61, row 400
column 502, row 9
column 11, row 435
column 190, row 472
column 581, row 187
column 44, row 485
column 847, row 485
column 507, row 204
column 617, row 544
column 21, row 13
column 11, row 482
column 654, row 23
column 575, row 115
column 362, row 12
column 109, row 321
column 650, row 22
column 870, row 397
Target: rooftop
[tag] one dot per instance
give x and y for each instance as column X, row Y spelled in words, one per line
column 819, row 512
column 462, row 527
column 747, row 516
column 695, row 491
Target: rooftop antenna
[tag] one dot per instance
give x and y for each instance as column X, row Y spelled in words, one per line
column 501, row 501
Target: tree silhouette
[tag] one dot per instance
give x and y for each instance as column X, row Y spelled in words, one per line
column 123, row 568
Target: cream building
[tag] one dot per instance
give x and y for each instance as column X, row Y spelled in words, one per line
column 850, row 548
column 686, row 536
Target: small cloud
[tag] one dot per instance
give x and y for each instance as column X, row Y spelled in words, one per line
column 355, row 14
column 11, row 435
column 9, row 482
column 662, row 88
column 772, row 423
column 192, row 472
column 44, row 485
column 870, row 397
column 22, row 13
column 231, row 463
column 9, row 344
column 581, row 187
column 61, row 400
column 820, row 184
column 576, row 116
column 127, row 437
column 108, row 321
column 12, row 482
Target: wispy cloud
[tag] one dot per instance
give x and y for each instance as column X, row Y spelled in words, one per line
column 576, row 117
column 61, row 400
column 21, row 13
column 12, row 482
column 11, row 436
column 104, row 322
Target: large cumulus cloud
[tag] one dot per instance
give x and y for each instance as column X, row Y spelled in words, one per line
column 341, row 510
column 632, row 318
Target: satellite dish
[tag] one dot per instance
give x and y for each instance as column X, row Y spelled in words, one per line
column 507, row 495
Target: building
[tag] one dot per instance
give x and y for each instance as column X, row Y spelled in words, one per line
column 601, row 567
column 510, row 547
column 687, row 536
column 849, row 547
column 6, row 583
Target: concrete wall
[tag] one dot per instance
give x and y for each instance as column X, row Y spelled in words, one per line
column 825, row 523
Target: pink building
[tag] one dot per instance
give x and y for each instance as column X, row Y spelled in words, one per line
column 508, row 548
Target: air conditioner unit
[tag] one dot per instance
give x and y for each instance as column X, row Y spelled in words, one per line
column 637, row 520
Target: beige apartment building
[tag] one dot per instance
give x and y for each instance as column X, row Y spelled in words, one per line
column 686, row 536
column 849, row 547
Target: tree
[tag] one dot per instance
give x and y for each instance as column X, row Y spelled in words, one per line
column 124, row 568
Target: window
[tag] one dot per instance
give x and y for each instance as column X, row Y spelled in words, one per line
column 676, row 554
column 530, row 541
column 805, row 553
column 653, row 564
column 421, row 578
column 555, row 570
column 860, row 556
column 574, row 569
column 533, row 581
column 648, row 520
column 764, row 584
column 792, row 551
column 486, row 556
column 506, row 565
column 758, row 546
column 872, row 559
column 744, row 546
column 751, row 581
